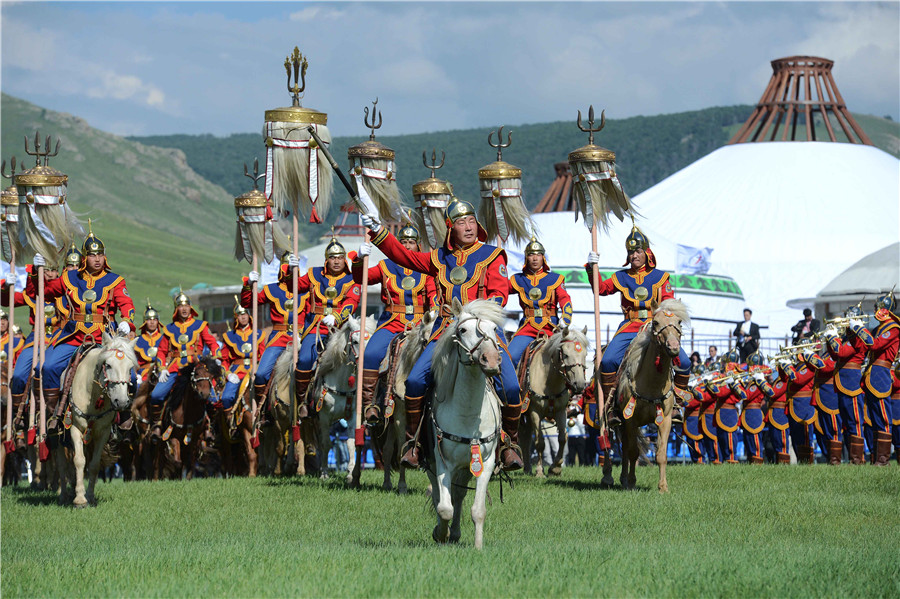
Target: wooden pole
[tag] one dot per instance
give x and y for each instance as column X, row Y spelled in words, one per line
column 363, row 301
column 295, row 336
column 253, row 342
column 34, row 365
column 595, row 288
column 40, row 322
column 9, row 350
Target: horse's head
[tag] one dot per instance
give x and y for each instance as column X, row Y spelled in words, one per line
column 207, row 378
column 352, row 327
column 666, row 325
column 475, row 334
column 571, row 346
column 117, row 359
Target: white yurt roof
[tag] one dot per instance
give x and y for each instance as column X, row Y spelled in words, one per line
column 781, row 217
column 873, row 275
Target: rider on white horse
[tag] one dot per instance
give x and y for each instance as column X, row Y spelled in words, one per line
column 406, row 294
column 465, row 268
column 540, row 291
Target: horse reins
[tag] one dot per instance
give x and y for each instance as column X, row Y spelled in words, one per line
column 470, row 352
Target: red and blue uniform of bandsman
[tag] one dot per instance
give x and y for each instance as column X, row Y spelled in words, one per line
column 641, row 285
column 543, row 298
column 849, row 353
column 693, row 436
column 753, row 419
column 237, row 355
column 895, row 407
column 407, row 295
column 464, row 271
column 828, row 414
column 883, row 344
column 707, row 423
column 183, row 340
column 280, row 300
column 333, row 297
column 726, row 413
column 775, row 389
column 800, row 410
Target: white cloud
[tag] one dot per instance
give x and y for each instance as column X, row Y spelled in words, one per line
column 312, row 13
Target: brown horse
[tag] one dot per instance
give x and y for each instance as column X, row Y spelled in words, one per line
column 278, row 454
column 233, row 430
column 185, row 419
column 646, row 392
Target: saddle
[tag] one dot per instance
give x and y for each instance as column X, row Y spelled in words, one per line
column 66, row 391
column 524, row 363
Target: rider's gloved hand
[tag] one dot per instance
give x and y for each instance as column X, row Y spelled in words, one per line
column 371, row 222
column 253, row 277
column 123, row 329
column 293, row 261
column 365, row 249
column 39, row 260
column 163, row 376
column 593, row 258
column 329, row 320
column 233, row 378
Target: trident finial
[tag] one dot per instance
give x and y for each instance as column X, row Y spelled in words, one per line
column 590, row 129
column 299, row 64
column 255, row 176
column 46, row 154
column 434, row 165
column 12, row 171
column 375, row 114
column 500, row 145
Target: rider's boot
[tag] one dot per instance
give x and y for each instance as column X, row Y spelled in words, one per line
column 411, row 449
column 18, row 422
column 608, row 382
column 681, row 387
column 301, row 385
column 51, row 400
column 155, row 412
column 857, row 450
column 259, row 392
column 369, row 382
column 511, row 453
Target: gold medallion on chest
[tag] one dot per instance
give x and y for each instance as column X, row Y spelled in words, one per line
column 642, row 293
column 458, row 275
column 408, row 283
column 331, row 292
column 89, row 296
column 535, row 293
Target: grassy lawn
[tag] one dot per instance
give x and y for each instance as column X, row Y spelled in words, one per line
column 743, row 531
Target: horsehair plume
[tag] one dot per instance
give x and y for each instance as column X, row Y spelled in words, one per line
column 372, row 166
column 290, row 171
column 257, row 230
column 501, row 187
column 596, row 187
column 9, row 225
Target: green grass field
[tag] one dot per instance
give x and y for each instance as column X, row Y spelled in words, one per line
column 727, row 531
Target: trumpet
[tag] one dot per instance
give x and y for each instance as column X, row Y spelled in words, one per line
column 842, row 323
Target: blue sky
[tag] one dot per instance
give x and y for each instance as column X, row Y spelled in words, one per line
column 215, row 67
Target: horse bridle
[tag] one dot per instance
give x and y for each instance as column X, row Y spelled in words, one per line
column 212, row 383
column 566, row 368
column 104, row 382
column 470, row 352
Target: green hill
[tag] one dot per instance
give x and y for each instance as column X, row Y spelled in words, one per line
column 163, row 224
column 648, row 149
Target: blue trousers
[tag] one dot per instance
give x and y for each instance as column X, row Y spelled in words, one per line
column 618, row 345
column 229, row 394
column 421, row 379
column 309, row 351
column 517, row 346
column 22, row 369
column 161, row 390
column 377, row 348
column 880, row 409
column 851, row 413
column 830, row 424
column 267, row 365
column 56, row 359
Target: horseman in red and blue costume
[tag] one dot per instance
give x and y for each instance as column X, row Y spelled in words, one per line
column 465, row 268
column 184, row 340
column 406, row 294
column 280, row 298
column 640, row 284
column 333, row 297
column 882, row 343
column 540, row 292
column 237, row 354
column 147, row 345
column 94, row 295
column 849, row 352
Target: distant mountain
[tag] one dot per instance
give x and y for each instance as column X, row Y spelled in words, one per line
column 163, row 224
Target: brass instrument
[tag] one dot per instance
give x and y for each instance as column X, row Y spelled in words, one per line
column 842, row 323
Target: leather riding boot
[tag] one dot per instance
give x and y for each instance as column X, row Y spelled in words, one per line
column 883, row 448
column 259, row 392
column 608, row 382
column 155, row 413
column 857, row 450
column 301, row 385
column 835, row 452
column 755, row 459
column 511, row 453
column 681, row 387
column 410, row 457
column 369, row 382
column 783, row 458
column 51, row 400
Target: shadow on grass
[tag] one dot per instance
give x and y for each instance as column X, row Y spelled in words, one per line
column 332, row 483
column 580, row 485
column 422, row 543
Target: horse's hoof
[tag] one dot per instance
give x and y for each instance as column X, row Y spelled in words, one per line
column 434, row 535
column 454, row 538
column 607, row 482
column 79, row 505
column 402, row 491
column 555, row 471
column 540, row 475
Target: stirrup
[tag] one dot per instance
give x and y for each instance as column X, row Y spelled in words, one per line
column 511, row 457
column 372, row 414
column 410, row 456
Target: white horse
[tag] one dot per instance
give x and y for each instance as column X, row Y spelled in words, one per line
column 555, row 372
column 99, row 390
column 465, row 415
column 395, row 434
column 334, row 397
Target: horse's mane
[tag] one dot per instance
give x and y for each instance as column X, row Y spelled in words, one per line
column 335, row 353
column 645, row 336
column 416, row 340
column 555, row 341
column 444, row 361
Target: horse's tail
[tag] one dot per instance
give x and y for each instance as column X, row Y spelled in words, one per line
column 643, row 445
